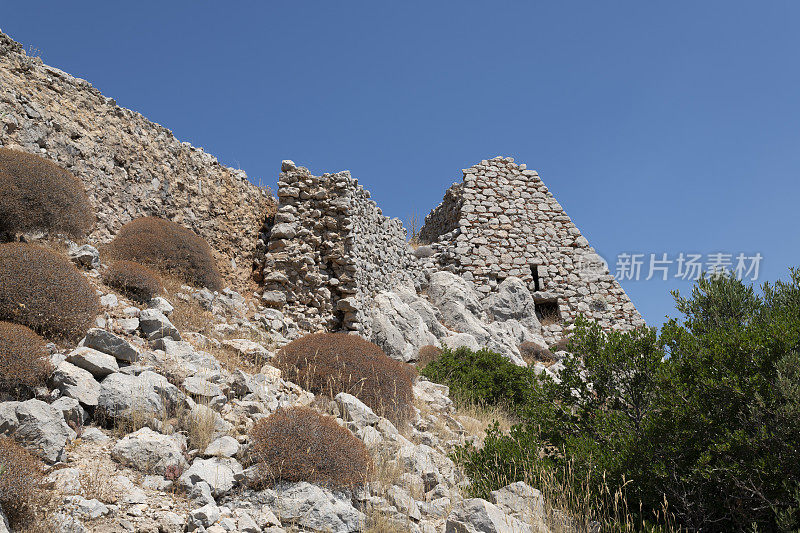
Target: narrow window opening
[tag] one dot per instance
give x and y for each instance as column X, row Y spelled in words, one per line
column 535, row 273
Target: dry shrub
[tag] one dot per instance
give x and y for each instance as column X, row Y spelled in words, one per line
column 38, row 195
column 23, row 360
column 427, row 353
column 300, row 444
column 45, row 292
column 134, row 280
column 168, row 247
column 560, row 345
column 330, row 363
column 20, row 483
column 532, row 353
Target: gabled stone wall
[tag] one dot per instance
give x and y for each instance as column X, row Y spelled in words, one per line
column 131, row 167
column 329, row 250
column 502, row 221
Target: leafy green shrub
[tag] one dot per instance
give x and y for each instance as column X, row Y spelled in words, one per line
column 23, row 360
column 300, row 444
column 704, row 417
column 168, row 247
column 44, row 291
column 20, row 482
column 38, row 195
column 481, row 377
column 330, row 363
column 136, row 281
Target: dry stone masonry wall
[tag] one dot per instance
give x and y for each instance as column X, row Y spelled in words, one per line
column 329, row 249
column 130, row 166
column 502, row 221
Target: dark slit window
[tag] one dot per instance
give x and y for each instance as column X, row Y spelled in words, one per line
column 535, row 273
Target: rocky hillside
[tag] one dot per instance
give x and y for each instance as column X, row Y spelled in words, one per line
column 145, row 424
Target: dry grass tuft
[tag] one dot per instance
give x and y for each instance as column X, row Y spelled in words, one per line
column 44, row 291
column 427, row 354
column 533, row 353
column 134, row 280
column 168, row 247
column 38, row 195
column 300, row 444
column 330, row 363
column 188, row 315
column 21, row 494
column 23, row 360
column 476, row 419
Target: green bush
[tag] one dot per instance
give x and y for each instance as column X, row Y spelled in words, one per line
column 482, row 377
column 38, row 195
column 704, row 416
column 168, row 247
column 44, row 291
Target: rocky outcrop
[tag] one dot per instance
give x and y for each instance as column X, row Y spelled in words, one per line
column 131, row 167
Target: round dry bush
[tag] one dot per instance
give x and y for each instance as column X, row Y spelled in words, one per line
column 330, row 363
column 560, row 345
column 23, row 360
column 134, row 280
column 300, row 444
column 38, row 195
column 20, row 482
column 44, row 291
column 532, row 352
column 426, row 354
column 168, row 247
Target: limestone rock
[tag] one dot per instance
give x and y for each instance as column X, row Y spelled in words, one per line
column 149, row 451
column 314, row 508
column 38, row 427
column 76, row 383
column 106, row 342
column 220, row 473
column 98, row 363
column 155, row 325
column 479, row 516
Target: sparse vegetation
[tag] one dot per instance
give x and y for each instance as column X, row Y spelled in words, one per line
column 300, row 444
column 330, row 363
column 23, row 361
column 134, row 280
column 21, row 494
column 45, row 292
column 169, row 248
column 38, row 195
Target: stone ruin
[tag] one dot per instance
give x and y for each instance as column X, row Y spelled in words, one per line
column 329, row 250
column 502, row 221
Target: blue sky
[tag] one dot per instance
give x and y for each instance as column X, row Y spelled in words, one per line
column 660, row 127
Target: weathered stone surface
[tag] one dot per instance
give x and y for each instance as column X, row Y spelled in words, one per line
column 220, row 473
column 38, row 427
column 353, row 410
column 98, row 363
column 149, row 451
column 313, row 508
column 225, row 446
column 398, row 328
column 199, row 386
column 513, row 300
column 85, row 256
column 155, row 325
column 106, row 342
column 76, row 383
column 521, row 501
column 148, row 394
column 479, row 516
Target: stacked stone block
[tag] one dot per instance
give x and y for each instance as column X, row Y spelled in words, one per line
column 502, row 221
column 329, row 250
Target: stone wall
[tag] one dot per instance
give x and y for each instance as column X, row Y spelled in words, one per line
column 131, row 167
column 329, row 250
column 445, row 217
column 509, row 224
